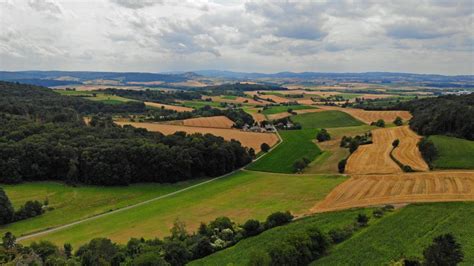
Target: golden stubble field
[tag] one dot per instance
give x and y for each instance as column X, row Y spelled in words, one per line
column 169, row 107
column 247, row 139
column 370, row 190
column 371, row 116
column 375, row 158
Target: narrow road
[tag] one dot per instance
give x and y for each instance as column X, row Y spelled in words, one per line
column 61, row 227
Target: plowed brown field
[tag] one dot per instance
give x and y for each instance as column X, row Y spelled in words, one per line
column 371, row 116
column 369, row 190
column 213, row 121
column 169, row 107
column 375, row 158
column 248, row 139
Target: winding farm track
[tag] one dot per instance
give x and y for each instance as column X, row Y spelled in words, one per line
column 375, row 158
column 370, row 190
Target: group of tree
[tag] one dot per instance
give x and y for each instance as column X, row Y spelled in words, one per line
column 428, row 150
column 378, row 123
column 354, row 142
column 444, row 250
column 43, row 137
column 323, row 135
column 178, row 248
column 445, row 115
column 300, row 164
column 28, row 210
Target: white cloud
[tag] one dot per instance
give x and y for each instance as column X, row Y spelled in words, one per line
column 264, row 35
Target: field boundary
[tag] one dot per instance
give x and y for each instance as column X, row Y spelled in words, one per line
column 91, row 218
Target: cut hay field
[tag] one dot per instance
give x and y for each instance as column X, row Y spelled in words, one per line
column 371, row 116
column 369, row 190
column 247, row 139
column 257, row 117
column 240, row 196
column 74, row 203
column 375, row 158
column 332, row 152
column 296, row 145
column 402, row 233
column 212, row 121
column 326, row 119
column 453, row 153
column 176, row 108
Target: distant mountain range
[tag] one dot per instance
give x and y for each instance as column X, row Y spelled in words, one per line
column 364, row 77
column 58, row 78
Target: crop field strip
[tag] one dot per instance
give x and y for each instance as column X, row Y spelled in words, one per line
column 213, row 122
column 169, row 107
column 247, row 139
column 369, row 190
column 370, row 116
column 375, row 158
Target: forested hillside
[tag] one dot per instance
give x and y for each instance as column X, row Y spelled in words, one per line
column 445, row 115
column 43, row 136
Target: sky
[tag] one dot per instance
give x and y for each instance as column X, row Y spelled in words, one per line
column 250, row 36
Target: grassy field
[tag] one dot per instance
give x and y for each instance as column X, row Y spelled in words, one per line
column 453, row 152
column 101, row 97
column 73, row 203
column 296, row 145
column 240, row 196
column 229, row 97
column 284, row 108
column 403, row 233
column 326, row 119
column 200, row 104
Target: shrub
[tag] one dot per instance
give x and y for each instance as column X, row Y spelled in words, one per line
column 340, row 234
column 299, row 165
column 377, row 213
column 323, row 135
column 398, row 121
column 252, row 227
column 362, row 219
column 445, row 250
column 278, row 218
column 265, row 147
column 44, row 249
column 30, row 209
column 342, row 165
column 379, row 123
column 407, row 169
column 150, row 259
column 388, row 208
column 395, row 143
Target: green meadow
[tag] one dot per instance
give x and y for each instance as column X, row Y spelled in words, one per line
column 241, row 196
column 327, row 119
column 453, row 152
column 284, row 108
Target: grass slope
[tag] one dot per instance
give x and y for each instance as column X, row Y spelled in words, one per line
column 296, row 145
column 74, row 203
column 406, row 233
column 453, row 152
column 200, row 104
column 283, row 108
column 403, row 233
column 240, row 196
column 328, row 119
column 100, row 97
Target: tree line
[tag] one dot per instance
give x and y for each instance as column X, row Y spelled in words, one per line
column 42, row 137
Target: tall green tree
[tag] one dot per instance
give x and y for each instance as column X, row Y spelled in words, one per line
column 445, row 250
column 6, row 208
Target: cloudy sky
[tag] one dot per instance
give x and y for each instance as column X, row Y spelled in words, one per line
column 262, row 36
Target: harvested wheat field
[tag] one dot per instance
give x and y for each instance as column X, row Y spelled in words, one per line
column 369, row 190
column 247, row 139
column 213, row 121
column 371, row 116
column 258, row 117
column 169, row 107
column 375, row 158
column 407, row 151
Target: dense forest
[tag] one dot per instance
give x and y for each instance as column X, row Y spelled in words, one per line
column 43, row 137
column 445, row 115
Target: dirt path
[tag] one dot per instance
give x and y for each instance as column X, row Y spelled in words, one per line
column 370, row 190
